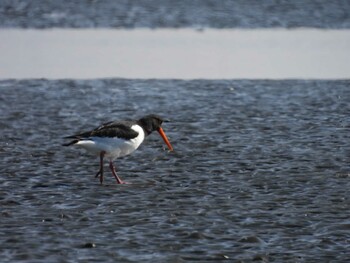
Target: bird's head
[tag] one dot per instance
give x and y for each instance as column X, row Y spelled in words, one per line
column 151, row 123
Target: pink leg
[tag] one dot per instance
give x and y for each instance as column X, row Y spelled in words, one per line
column 119, row 181
column 100, row 172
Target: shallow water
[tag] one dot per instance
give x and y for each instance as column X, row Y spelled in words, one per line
column 175, row 14
column 260, row 172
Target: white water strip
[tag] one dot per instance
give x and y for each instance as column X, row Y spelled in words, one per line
column 175, row 53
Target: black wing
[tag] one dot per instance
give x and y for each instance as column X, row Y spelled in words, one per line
column 110, row 129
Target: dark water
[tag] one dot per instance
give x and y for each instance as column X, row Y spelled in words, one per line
column 174, row 14
column 260, row 173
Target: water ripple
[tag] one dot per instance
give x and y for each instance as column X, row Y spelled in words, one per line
column 260, row 172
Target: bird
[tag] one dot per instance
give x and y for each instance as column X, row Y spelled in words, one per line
column 116, row 139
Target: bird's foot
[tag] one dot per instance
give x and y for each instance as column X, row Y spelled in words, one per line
column 123, row 182
column 100, row 174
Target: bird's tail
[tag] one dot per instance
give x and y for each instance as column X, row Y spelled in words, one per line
column 71, row 142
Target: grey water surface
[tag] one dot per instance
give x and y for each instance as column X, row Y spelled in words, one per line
column 175, row 14
column 260, row 172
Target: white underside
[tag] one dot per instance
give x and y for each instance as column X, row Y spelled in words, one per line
column 113, row 147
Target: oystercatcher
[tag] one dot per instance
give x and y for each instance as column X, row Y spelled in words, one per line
column 118, row 138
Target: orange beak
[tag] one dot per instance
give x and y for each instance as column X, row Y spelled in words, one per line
column 161, row 132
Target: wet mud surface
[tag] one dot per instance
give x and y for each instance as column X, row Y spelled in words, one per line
column 260, row 172
column 174, row 14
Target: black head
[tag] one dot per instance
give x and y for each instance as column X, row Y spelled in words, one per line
column 150, row 123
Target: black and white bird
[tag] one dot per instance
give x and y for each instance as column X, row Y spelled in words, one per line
column 118, row 138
